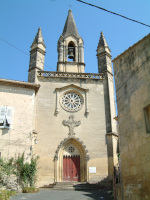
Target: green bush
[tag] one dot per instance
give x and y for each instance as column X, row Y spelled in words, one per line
column 13, row 193
column 7, row 166
column 27, row 171
column 5, row 195
column 30, row 190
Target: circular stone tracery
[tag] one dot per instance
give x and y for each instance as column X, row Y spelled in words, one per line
column 71, row 101
column 71, row 149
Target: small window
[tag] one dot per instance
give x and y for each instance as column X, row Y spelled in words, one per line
column 147, row 118
column 5, row 117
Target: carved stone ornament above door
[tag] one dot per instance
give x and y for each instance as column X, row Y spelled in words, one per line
column 71, row 123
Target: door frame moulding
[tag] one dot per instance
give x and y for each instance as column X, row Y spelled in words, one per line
column 58, row 159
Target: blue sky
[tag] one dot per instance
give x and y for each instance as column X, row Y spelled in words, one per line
column 20, row 20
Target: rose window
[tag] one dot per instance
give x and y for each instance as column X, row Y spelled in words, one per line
column 71, row 101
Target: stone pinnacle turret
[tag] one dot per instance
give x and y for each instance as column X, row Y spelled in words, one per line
column 37, row 56
column 105, row 66
column 103, row 55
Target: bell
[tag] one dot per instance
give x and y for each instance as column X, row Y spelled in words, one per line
column 71, row 56
column 70, row 52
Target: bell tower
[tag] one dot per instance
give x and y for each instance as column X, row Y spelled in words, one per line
column 70, row 48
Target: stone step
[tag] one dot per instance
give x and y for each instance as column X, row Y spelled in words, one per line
column 73, row 186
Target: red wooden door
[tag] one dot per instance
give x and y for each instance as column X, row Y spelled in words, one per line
column 71, row 168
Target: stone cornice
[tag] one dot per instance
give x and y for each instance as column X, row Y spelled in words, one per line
column 37, row 49
column 34, row 68
column 103, row 54
column 71, row 63
column 19, row 84
column 107, row 71
column 92, row 76
column 112, row 133
column 116, row 118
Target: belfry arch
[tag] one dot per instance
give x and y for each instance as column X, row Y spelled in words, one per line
column 61, row 153
column 71, row 51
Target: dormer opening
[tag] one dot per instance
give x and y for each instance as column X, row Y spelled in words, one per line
column 71, row 52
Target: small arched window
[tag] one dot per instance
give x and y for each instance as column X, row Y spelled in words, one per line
column 71, row 52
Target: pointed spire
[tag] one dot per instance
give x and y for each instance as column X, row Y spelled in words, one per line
column 70, row 27
column 38, row 39
column 103, row 55
column 37, row 55
column 102, row 41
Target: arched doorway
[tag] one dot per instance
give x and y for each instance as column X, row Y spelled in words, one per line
column 71, row 161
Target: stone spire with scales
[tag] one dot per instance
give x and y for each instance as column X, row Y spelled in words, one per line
column 70, row 27
column 37, row 56
column 38, row 39
column 102, row 42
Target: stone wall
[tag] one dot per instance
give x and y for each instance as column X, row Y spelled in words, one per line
column 132, row 76
column 51, row 131
column 18, row 137
column 11, row 182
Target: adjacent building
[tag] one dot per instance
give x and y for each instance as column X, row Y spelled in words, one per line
column 17, row 118
column 132, row 78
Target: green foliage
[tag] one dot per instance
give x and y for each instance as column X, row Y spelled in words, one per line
column 24, row 170
column 30, row 190
column 27, row 171
column 5, row 195
column 6, row 166
column 12, row 193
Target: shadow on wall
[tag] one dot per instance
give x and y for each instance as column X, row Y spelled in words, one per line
column 5, row 131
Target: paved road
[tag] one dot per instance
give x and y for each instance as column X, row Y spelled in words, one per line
column 65, row 195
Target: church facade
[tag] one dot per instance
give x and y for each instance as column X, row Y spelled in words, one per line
column 72, row 113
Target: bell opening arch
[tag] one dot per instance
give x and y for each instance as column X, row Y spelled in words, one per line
column 72, row 149
column 71, row 51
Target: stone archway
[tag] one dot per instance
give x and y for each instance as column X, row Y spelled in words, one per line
column 61, row 151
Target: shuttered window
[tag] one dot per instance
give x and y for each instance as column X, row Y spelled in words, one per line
column 5, row 117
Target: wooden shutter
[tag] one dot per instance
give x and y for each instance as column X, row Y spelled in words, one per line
column 2, row 114
column 9, row 115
